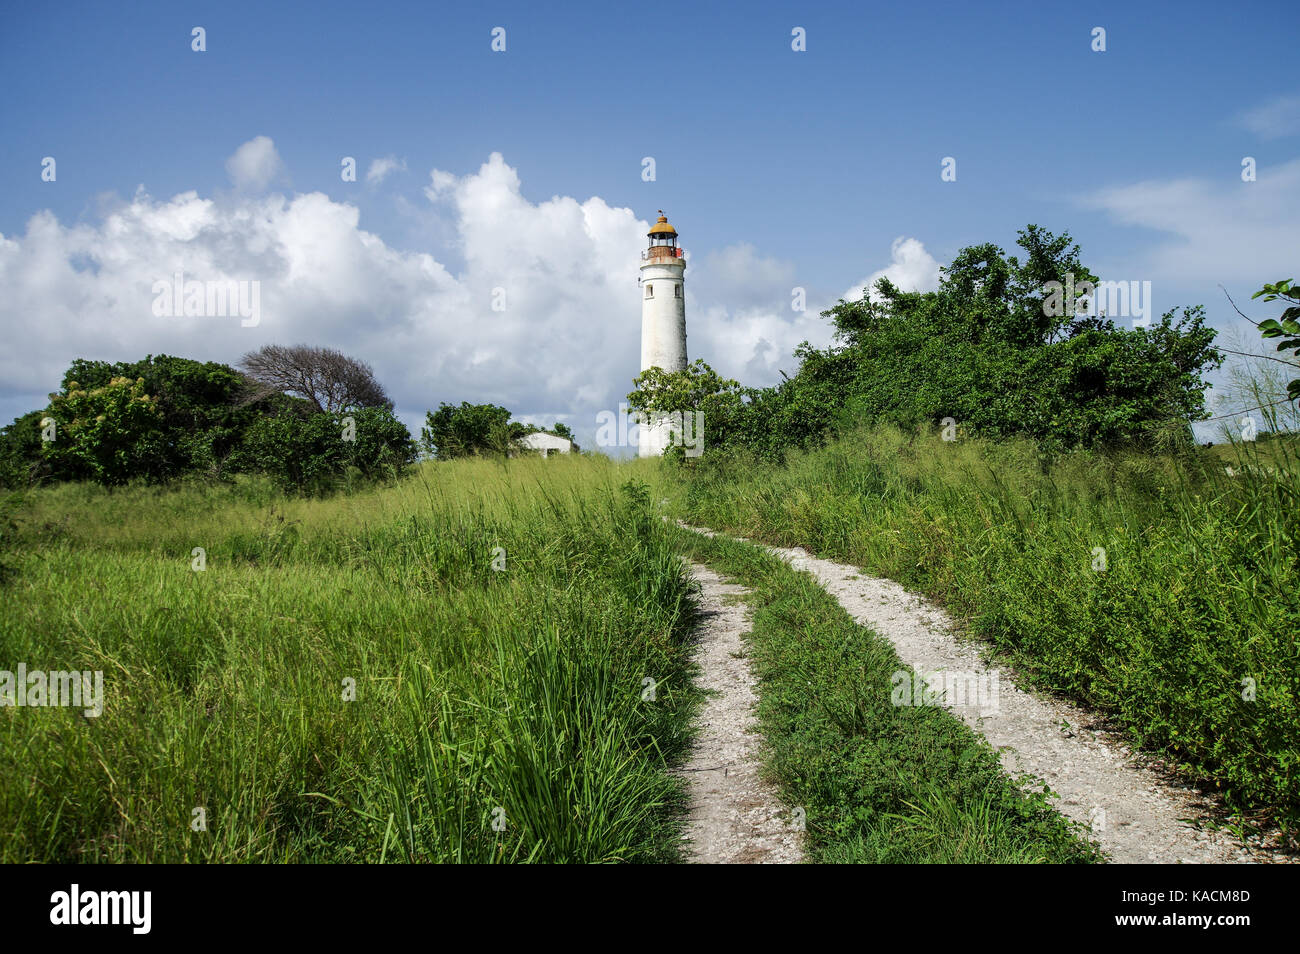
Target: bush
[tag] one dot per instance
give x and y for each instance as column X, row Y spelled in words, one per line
column 312, row 452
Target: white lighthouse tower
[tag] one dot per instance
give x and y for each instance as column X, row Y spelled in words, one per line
column 663, row 320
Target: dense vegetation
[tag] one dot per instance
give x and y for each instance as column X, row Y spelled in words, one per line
column 1033, row 467
column 470, row 430
column 164, row 418
column 1030, row 466
column 1160, row 590
column 994, row 351
column 499, row 624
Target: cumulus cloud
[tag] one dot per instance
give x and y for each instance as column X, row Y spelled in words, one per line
column 911, row 268
column 543, row 316
column 1216, row 230
column 381, row 168
column 542, row 313
column 254, row 164
column 1272, row 120
column 741, row 313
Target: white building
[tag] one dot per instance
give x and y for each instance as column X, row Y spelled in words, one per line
column 663, row 320
column 546, row 444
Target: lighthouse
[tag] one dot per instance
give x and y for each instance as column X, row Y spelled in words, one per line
column 663, row 320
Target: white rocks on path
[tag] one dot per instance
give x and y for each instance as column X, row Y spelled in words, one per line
column 736, row 816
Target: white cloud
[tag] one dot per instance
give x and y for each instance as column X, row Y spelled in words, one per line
column 254, row 164
column 1217, row 230
column 566, row 345
column 381, row 168
column 752, row 345
column 567, row 341
column 1277, row 118
column 911, row 268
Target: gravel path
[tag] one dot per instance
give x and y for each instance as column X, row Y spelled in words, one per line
column 1137, row 815
column 736, row 816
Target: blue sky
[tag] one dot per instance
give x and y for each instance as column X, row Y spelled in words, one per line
column 780, row 169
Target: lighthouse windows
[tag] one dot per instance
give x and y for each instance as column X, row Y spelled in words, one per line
column 649, row 290
column 677, row 291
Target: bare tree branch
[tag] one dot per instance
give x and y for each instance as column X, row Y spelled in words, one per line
column 327, row 378
column 1263, row 357
column 1236, row 309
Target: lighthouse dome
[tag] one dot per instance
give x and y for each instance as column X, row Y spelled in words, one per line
column 661, row 227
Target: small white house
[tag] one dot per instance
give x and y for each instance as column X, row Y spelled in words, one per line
column 546, row 444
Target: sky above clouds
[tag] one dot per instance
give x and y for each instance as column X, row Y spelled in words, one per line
column 487, row 248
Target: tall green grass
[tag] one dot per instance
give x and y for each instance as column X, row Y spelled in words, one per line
column 1197, row 608
column 498, row 714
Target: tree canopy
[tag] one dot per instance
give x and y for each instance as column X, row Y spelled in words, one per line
column 166, row 417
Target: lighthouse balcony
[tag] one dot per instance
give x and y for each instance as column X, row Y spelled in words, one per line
column 661, row 253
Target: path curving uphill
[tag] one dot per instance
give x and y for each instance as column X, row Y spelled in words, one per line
column 1136, row 814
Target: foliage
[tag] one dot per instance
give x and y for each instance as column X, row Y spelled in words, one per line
column 995, row 351
column 696, row 389
column 1287, row 327
column 164, row 418
column 466, row 430
column 202, row 411
column 310, row 452
column 470, row 430
column 109, row 433
column 21, row 460
column 477, row 688
column 1184, row 633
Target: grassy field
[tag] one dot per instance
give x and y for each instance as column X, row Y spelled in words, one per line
column 1162, row 591
column 451, row 668
column 498, row 713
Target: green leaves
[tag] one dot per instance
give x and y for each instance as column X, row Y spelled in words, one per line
column 1271, row 292
column 1288, row 324
column 697, row 388
column 107, row 433
column 466, row 430
column 985, row 350
column 312, row 453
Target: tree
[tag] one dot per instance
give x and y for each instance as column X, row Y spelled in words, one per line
column 204, row 408
column 327, row 378
column 469, row 429
column 166, row 417
column 992, row 349
column 697, row 388
column 21, row 461
column 110, row 433
column 313, row 452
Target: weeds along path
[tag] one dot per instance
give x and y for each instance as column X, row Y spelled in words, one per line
column 736, row 816
column 1135, row 813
